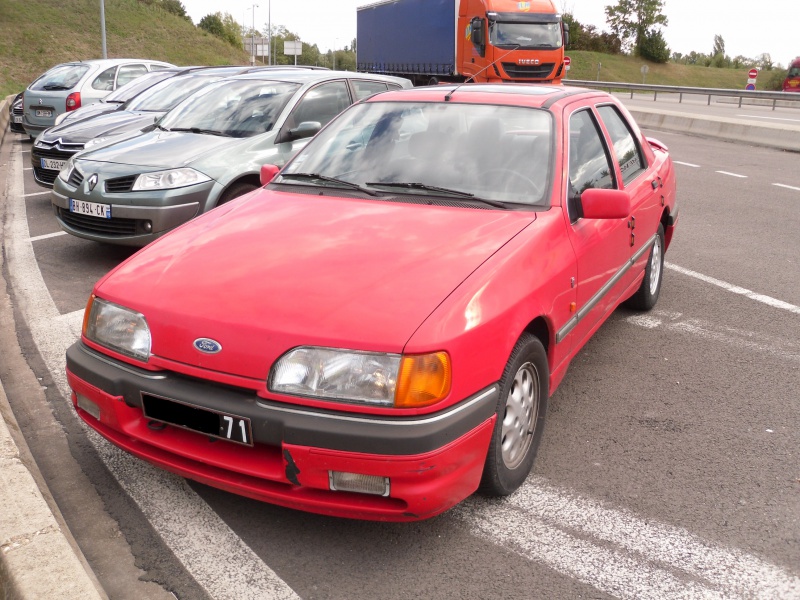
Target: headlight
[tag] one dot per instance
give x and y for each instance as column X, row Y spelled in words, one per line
column 117, row 328
column 66, row 170
column 363, row 377
column 165, row 180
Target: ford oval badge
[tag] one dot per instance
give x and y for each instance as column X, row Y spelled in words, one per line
column 207, row 346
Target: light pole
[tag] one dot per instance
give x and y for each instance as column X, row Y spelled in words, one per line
column 335, row 43
column 269, row 33
column 103, row 26
column 253, row 38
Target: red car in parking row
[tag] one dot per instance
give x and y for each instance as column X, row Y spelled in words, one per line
column 376, row 332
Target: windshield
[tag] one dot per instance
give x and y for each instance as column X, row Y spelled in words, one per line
column 168, row 94
column 238, row 108
column 794, row 71
column 61, row 77
column 137, row 86
column 494, row 153
column 525, row 35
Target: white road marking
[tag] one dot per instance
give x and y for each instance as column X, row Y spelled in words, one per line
column 47, row 236
column 732, row 174
column 645, row 559
column 212, row 553
column 788, row 187
column 768, row 300
column 771, row 118
column 685, row 164
column 35, row 194
column 28, row 169
column 740, row 338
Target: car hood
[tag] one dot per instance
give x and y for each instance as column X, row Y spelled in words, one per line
column 163, row 149
column 108, row 124
column 273, row 270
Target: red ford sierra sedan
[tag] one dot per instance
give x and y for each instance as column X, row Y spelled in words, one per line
column 375, row 333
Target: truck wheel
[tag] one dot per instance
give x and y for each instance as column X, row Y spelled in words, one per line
column 433, row 81
column 524, row 389
column 646, row 296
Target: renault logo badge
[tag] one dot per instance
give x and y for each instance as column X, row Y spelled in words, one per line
column 91, row 182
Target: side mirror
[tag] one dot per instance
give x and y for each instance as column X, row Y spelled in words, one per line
column 478, row 32
column 306, row 129
column 566, row 34
column 268, row 173
column 605, row 204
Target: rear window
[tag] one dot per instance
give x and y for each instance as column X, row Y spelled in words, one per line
column 61, row 77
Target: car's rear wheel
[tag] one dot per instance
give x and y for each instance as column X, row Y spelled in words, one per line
column 646, row 296
column 524, row 390
column 236, row 190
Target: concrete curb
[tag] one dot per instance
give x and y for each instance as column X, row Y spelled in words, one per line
column 38, row 557
column 781, row 137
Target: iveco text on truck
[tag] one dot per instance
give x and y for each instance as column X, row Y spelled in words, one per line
column 432, row 41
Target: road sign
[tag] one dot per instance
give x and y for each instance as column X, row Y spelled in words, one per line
column 753, row 73
column 750, row 86
column 292, row 48
column 567, row 61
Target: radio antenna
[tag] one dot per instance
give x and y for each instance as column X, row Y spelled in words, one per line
column 449, row 94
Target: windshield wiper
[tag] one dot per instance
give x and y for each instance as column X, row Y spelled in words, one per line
column 203, row 131
column 436, row 189
column 325, row 178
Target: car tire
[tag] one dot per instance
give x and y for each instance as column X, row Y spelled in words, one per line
column 521, row 410
column 236, row 190
column 646, row 296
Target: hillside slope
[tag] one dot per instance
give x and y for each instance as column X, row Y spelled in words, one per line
column 38, row 34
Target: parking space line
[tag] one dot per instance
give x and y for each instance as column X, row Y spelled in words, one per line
column 732, row 174
column 768, row 300
column 685, row 164
column 47, row 236
column 788, row 187
column 205, row 545
column 36, row 194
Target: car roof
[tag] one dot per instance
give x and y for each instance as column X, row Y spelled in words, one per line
column 521, row 94
column 290, row 74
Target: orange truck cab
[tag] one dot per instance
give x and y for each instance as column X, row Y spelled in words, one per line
column 432, row 41
column 792, row 81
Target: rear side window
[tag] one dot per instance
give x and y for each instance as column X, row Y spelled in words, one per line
column 61, row 77
column 628, row 153
column 128, row 73
column 105, row 81
column 367, row 88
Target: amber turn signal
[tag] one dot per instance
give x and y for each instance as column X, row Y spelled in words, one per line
column 423, row 380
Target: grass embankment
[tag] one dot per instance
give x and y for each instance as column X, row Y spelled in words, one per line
column 628, row 69
column 38, row 34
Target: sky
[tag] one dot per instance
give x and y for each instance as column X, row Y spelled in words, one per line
column 692, row 23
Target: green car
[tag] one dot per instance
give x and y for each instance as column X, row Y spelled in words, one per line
column 206, row 151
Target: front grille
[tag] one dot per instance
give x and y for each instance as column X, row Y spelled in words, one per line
column 55, row 152
column 75, row 178
column 47, row 176
column 515, row 71
column 120, row 184
column 111, row 227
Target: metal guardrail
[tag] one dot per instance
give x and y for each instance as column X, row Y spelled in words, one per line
column 793, row 99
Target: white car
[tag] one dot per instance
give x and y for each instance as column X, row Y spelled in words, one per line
column 69, row 86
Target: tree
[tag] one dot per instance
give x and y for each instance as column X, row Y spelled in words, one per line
column 633, row 21
column 224, row 27
column 719, row 46
column 654, row 47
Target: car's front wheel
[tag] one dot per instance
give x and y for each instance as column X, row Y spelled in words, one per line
column 646, row 296
column 524, row 390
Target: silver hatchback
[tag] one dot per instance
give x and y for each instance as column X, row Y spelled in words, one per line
column 69, row 86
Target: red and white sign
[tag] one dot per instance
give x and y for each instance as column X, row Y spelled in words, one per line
column 753, row 73
column 567, row 61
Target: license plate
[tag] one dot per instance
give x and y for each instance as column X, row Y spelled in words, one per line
column 224, row 426
column 54, row 164
column 17, row 119
column 93, row 209
column 43, row 113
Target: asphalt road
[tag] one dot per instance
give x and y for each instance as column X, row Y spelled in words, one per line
column 669, row 466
